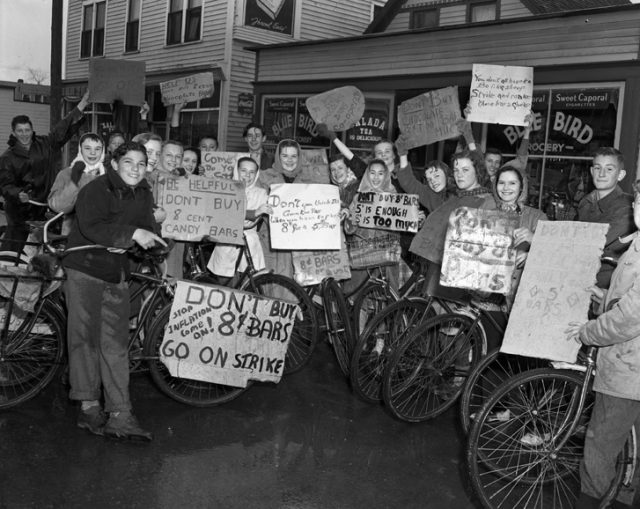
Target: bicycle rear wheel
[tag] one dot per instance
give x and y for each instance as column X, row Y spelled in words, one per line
column 189, row 392
column 32, row 354
column 381, row 337
column 305, row 332
column 513, row 458
column 426, row 374
column 339, row 326
column 369, row 302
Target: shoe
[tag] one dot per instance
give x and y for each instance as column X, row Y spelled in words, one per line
column 124, row 425
column 503, row 416
column 93, row 420
column 534, row 439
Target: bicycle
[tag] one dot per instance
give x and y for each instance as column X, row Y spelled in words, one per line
column 530, row 457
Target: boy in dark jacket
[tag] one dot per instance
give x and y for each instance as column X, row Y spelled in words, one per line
column 114, row 210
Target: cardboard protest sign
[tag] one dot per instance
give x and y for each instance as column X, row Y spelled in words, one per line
column 187, row 89
column 500, row 94
column 311, row 267
column 121, row 80
column 339, row 108
column 315, row 166
column 224, row 336
column 220, row 164
column 563, row 262
column 478, row 250
column 430, row 117
column 199, row 207
column 305, row 216
column 387, row 211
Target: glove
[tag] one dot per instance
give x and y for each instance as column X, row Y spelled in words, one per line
column 402, row 145
column 464, row 127
column 323, row 131
column 76, row 172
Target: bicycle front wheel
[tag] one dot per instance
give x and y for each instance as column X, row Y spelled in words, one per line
column 339, row 327
column 304, row 335
column 32, row 354
column 189, row 392
column 369, row 303
column 426, row 374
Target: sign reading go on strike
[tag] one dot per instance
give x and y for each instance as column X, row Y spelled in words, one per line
column 305, row 216
column 225, row 336
column 199, row 207
column 430, row 117
column 500, row 94
column 221, row 164
column 339, row 108
column 478, row 250
column 563, row 261
column 187, row 89
column 387, row 211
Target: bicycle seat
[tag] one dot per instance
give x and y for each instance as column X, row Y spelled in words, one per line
column 156, row 253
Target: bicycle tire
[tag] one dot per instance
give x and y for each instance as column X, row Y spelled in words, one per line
column 338, row 323
column 492, row 370
column 369, row 302
column 33, row 354
column 304, row 335
column 512, row 461
column 381, row 337
column 189, row 392
column 425, row 376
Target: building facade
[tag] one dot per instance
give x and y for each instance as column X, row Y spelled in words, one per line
column 18, row 98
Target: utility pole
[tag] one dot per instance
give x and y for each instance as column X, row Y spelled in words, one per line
column 55, row 109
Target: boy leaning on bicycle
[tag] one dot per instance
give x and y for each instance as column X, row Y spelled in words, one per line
column 616, row 332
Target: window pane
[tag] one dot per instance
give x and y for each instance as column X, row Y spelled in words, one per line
column 87, row 19
column 175, row 5
column 98, row 42
column 483, row 12
column 424, row 18
column 195, row 3
column 134, row 10
column 132, row 36
column 174, row 28
column 100, row 9
column 85, row 44
column 192, row 30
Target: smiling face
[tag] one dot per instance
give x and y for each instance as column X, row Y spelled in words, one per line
column 114, row 142
column 131, row 167
column 208, row 144
column 171, row 157
column 508, row 187
column 247, row 171
column 289, row 158
column 189, row 160
column 384, row 151
column 255, row 138
column 377, row 174
column 492, row 163
column 339, row 171
column 606, row 173
column 436, row 179
column 23, row 133
column 154, row 148
column 465, row 175
column 91, row 151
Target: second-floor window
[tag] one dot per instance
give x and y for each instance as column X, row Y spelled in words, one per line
column 184, row 21
column 423, row 18
column 133, row 26
column 93, row 21
column 483, row 11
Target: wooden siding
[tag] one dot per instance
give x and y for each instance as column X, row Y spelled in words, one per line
column 513, row 9
column 609, row 37
column 241, row 81
column 153, row 51
column 400, row 22
column 326, row 19
column 453, row 15
column 37, row 113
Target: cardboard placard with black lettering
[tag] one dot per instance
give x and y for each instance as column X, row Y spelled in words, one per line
column 563, row 262
column 500, row 94
column 111, row 80
column 305, row 216
column 311, row 267
column 187, row 89
column 478, row 250
column 339, row 108
column 430, row 117
column 315, row 166
column 387, row 211
column 219, row 164
column 225, row 336
column 199, row 207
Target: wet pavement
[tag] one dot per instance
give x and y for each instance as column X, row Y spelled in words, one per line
column 306, row 443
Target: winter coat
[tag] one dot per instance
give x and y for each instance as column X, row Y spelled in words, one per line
column 617, row 331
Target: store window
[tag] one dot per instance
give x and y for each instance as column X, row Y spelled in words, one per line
column 275, row 16
column 423, row 18
column 132, row 36
column 184, row 21
column 92, row 35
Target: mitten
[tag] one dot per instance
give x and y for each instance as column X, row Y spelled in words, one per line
column 76, row 171
column 402, row 146
column 323, row 131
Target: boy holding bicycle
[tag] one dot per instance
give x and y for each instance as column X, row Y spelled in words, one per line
column 617, row 381
column 114, row 210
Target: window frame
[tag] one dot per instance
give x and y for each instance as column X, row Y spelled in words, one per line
column 474, row 3
column 414, row 11
column 129, row 23
column 185, row 15
column 94, row 32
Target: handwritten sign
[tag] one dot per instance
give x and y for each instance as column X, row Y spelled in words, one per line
column 430, row 117
column 187, row 89
column 199, row 207
column 339, row 108
column 478, row 250
column 387, row 211
column 111, row 80
column 305, row 216
column 311, row 267
column 500, row 94
column 315, row 166
column 220, row 165
column 224, row 336
column 563, row 261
